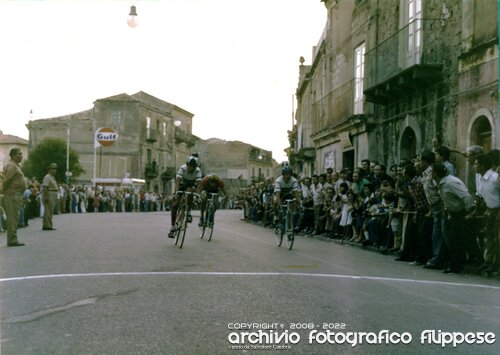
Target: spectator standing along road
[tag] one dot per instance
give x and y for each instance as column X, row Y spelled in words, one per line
column 49, row 196
column 14, row 185
column 457, row 202
column 488, row 188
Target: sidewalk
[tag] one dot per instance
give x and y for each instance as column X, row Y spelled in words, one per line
column 469, row 269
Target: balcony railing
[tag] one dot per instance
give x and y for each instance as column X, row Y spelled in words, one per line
column 151, row 135
column 184, row 137
column 151, row 170
column 417, row 45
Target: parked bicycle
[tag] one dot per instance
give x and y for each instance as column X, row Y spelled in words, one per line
column 285, row 226
column 183, row 216
column 207, row 227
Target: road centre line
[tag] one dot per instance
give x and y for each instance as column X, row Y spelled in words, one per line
column 200, row 273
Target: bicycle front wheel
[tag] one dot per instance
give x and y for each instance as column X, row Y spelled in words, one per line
column 290, row 237
column 180, row 225
column 290, row 234
column 278, row 231
column 203, row 228
column 182, row 235
column 210, row 221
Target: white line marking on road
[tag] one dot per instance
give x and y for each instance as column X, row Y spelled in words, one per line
column 200, row 273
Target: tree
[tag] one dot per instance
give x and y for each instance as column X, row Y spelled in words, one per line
column 52, row 150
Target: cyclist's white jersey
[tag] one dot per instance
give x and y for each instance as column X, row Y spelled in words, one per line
column 286, row 188
column 189, row 179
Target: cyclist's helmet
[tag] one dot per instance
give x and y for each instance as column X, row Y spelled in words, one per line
column 286, row 170
column 213, row 178
column 192, row 161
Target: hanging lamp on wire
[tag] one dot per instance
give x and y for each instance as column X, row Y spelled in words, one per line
column 132, row 17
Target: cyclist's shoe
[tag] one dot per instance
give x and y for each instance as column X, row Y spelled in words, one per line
column 210, row 225
column 200, row 223
column 189, row 218
column 171, row 234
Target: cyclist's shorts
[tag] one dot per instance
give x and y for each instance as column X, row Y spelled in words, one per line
column 287, row 197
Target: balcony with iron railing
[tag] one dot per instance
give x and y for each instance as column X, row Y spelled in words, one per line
column 184, row 137
column 409, row 59
column 151, row 170
column 151, row 135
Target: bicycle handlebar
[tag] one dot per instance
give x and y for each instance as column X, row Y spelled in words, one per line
column 188, row 193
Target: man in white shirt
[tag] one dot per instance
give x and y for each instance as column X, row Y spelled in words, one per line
column 457, row 203
column 488, row 188
column 319, row 201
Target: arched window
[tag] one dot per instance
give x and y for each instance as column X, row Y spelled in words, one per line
column 481, row 133
column 408, row 145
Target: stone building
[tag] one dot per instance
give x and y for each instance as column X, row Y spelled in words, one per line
column 237, row 163
column 389, row 75
column 154, row 137
column 7, row 142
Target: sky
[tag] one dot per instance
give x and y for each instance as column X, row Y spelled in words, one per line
column 234, row 64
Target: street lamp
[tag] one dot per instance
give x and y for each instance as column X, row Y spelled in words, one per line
column 176, row 123
column 68, row 172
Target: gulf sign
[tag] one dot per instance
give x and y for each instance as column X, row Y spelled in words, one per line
column 106, row 136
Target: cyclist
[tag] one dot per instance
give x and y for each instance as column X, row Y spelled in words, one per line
column 286, row 187
column 210, row 184
column 187, row 179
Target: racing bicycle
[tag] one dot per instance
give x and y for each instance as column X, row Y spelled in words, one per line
column 284, row 226
column 208, row 218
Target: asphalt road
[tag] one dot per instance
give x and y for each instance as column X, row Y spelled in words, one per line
column 115, row 284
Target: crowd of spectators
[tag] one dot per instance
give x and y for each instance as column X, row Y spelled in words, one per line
column 84, row 199
column 417, row 210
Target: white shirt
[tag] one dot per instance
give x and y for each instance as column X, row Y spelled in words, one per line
column 285, row 188
column 488, row 187
column 431, row 189
column 318, row 195
column 306, row 191
column 455, row 195
column 188, row 178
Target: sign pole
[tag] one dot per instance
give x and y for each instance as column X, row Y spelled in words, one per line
column 95, row 149
column 104, row 136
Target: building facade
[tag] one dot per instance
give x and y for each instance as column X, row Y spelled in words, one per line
column 7, row 142
column 389, row 75
column 154, row 137
column 238, row 164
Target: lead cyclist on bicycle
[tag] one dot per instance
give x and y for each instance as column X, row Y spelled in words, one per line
column 286, row 187
column 187, row 179
column 210, row 184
